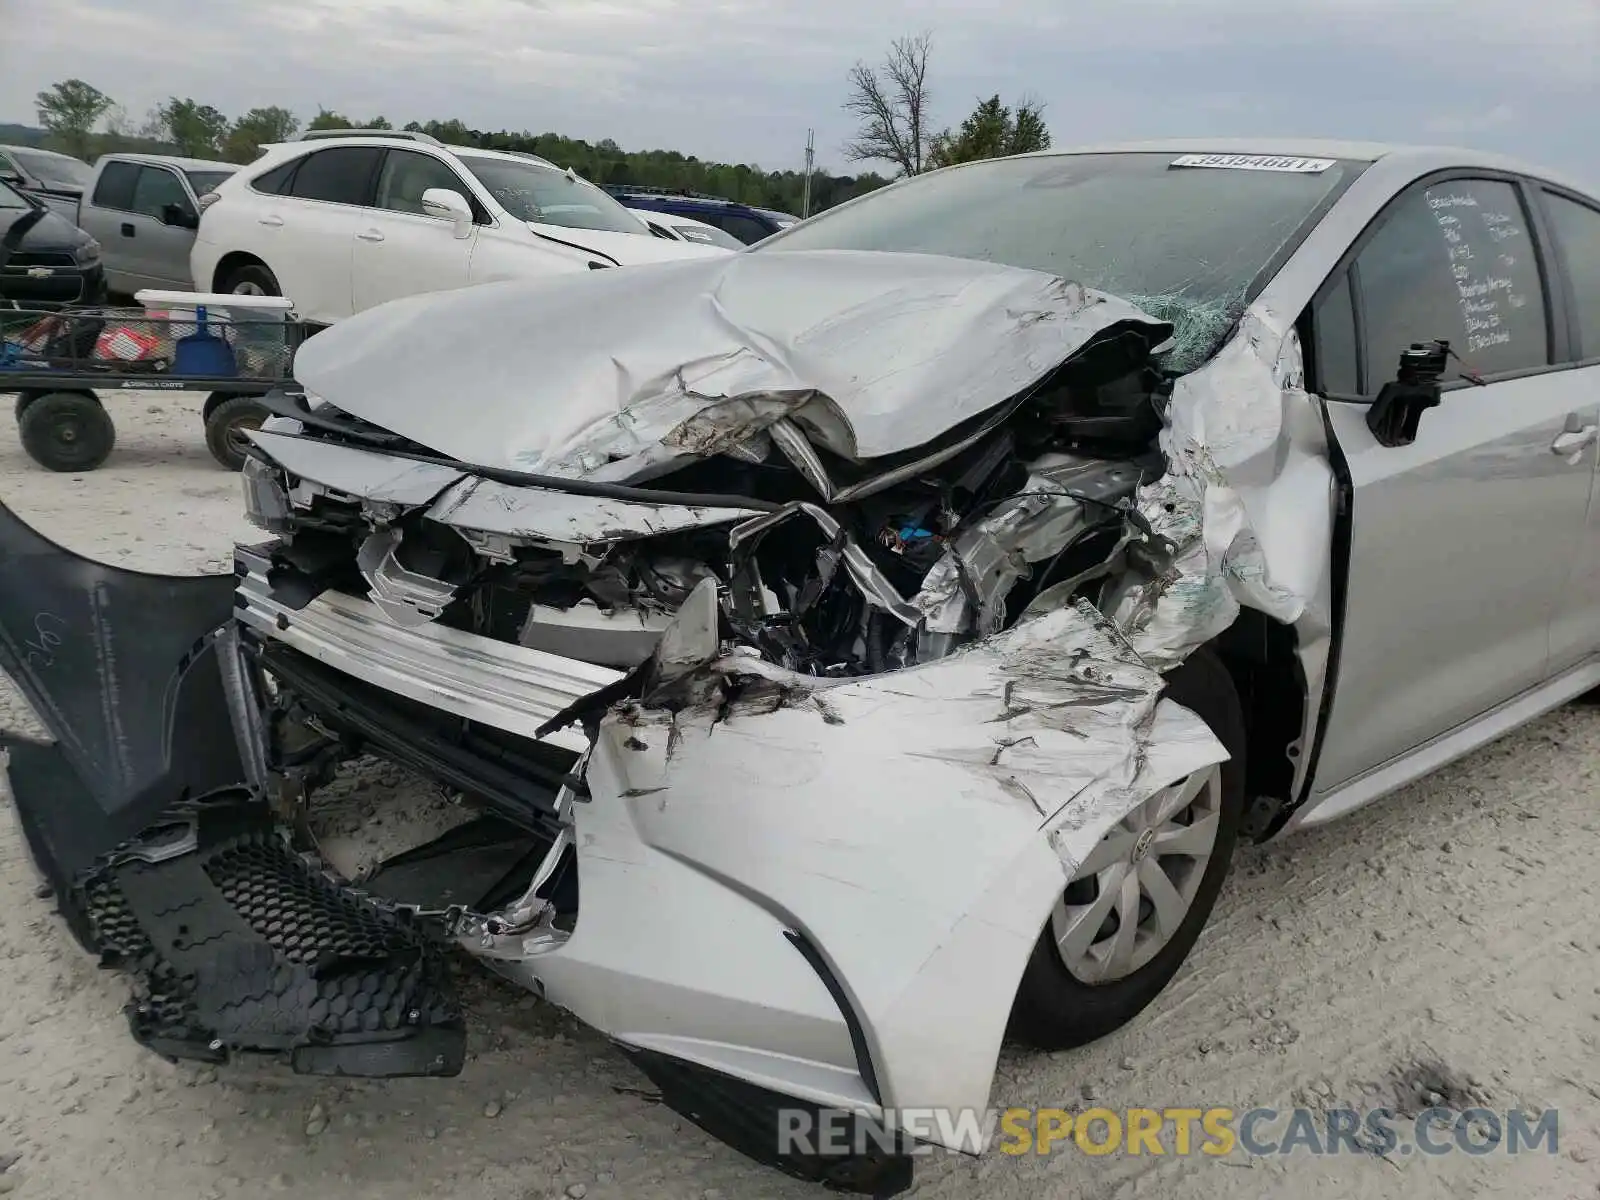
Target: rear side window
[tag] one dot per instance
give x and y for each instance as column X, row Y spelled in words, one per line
column 115, row 188
column 1453, row 260
column 1577, row 229
column 275, row 182
column 340, row 176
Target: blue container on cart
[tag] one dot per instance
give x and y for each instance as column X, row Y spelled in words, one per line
column 202, row 353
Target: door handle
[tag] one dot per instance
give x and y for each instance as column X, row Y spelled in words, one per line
column 273, row 222
column 128, row 229
column 1573, row 442
column 370, row 235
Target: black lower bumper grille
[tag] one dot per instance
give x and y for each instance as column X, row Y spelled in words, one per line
column 241, row 945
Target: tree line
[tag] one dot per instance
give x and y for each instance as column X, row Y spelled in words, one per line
column 890, row 104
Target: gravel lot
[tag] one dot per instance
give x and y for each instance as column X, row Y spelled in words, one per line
column 1445, row 940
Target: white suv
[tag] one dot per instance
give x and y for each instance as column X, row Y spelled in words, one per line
column 343, row 220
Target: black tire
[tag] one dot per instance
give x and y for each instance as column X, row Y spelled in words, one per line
column 226, row 421
column 253, row 278
column 1056, row 1011
column 24, row 399
column 67, row 431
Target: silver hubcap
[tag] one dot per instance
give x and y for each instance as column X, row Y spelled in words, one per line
column 1135, row 888
column 246, row 288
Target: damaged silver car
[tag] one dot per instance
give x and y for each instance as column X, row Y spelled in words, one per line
column 847, row 653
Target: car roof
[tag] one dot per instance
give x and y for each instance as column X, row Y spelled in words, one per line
column 377, row 138
column 1419, row 159
column 503, row 155
column 40, row 150
column 170, row 160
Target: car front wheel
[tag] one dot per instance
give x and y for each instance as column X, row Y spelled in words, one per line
column 1134, row 908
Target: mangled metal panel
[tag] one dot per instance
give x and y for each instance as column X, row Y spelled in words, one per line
column 616, row 375
column 1247, row 498
column 487, row 506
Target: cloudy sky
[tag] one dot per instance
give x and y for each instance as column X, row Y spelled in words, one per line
column 743, row 79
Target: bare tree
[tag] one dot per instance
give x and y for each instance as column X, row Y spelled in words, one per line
column 890, row 104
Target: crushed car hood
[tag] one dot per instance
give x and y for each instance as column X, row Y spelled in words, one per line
column 609, row 375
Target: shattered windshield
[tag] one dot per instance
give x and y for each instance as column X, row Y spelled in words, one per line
column 530, row 192
column 1183, row 243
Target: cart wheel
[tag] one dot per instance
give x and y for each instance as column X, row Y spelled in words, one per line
column 67, row 431
column 225, row 428
column 23, row 400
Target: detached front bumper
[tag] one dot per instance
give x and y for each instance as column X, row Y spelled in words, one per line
column 817, row 894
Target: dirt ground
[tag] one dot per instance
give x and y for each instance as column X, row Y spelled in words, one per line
column 1444, row 940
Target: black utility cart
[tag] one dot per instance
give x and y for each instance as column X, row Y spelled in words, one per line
column 234, row 348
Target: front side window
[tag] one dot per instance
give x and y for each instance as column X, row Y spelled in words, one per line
column 547, row 196
column 156, row 188
column 115, row 189
column 1452, row 260
column 339, row 176
column 1577, row 229
column 407, row 174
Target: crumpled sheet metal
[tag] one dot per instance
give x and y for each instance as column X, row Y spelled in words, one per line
column 1058, row 713
column 1247, row 497
column 991, row 555
column 486, row 506
column 611, row 375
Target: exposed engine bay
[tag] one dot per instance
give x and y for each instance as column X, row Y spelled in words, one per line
column 927, row 555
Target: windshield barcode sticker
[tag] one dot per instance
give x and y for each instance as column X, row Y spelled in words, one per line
column 1254, row 162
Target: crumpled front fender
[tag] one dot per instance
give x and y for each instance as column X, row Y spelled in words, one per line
column 913, row 828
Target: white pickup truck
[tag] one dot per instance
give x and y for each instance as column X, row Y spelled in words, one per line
column 143, row 210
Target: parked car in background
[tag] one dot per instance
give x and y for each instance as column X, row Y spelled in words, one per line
column 57, row 179
column 674, row 227
column 45, row 260
column 745, row 222
column 143, row 209
column 348, row 219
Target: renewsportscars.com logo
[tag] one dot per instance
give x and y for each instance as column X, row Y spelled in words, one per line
column 1213, row 1132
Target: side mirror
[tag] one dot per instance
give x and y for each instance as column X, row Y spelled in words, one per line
column 179, row 217
column 10, row 177
column 449, row 205
column 1393, row 417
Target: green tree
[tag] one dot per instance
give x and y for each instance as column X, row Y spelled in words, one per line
column 992, row 131
column 195, row 129
column 326, row 118
column 257, row 128
column 69, row 111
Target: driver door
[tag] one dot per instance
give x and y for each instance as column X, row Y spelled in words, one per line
column 399, row 249
column 1463, row 542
